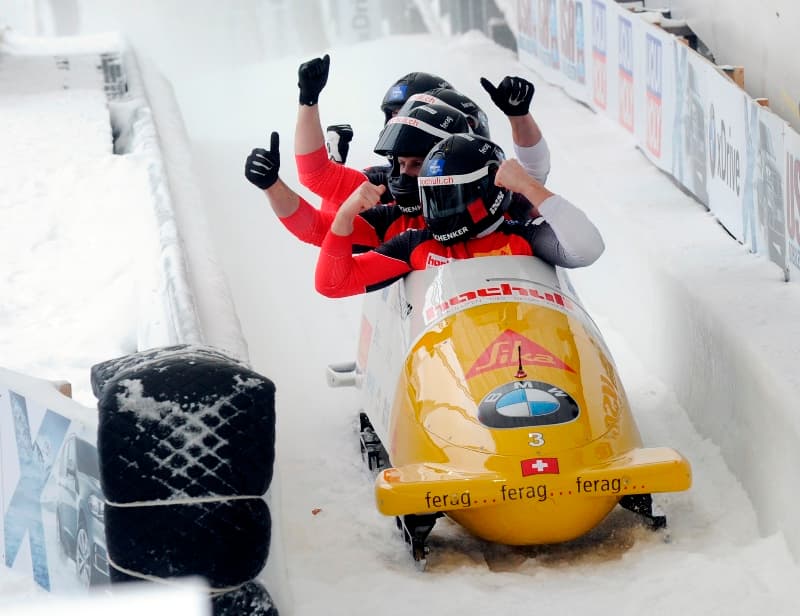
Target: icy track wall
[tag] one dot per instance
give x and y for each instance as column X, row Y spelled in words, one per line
column 46, row 438
column 201, row 319
column 717, row 351
column 195, row 296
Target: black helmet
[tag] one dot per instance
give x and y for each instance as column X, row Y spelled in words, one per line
column 457, row 191
column 416, row 133
column 476, row 118
column 413, row 83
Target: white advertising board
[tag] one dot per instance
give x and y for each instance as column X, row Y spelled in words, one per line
column 655, row 95
column 527, row 44
column 768, row 184
column 629, row 69
column 726, row 149
column 572, row 17
column 690, row 129
column 791, row 142
column 603, row 57
column 53, row 527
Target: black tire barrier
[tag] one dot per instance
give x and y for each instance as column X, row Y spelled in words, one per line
column 225, row 542
column 251, row 599
column 186, row 445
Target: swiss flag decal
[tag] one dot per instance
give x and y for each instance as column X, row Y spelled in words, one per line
column 539, row 466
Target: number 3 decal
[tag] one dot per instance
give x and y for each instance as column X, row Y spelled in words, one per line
column 536, row 439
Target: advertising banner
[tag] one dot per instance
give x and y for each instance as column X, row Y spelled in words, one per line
column 573, row 44
column 598, row 60
column 547, row 41
column 655, row 95
column 791, row 141
column 690, row 126
column 628, row 69
column 527, row 44
column 769, row 184
column 751, row 234
column 604, row 57
column 726, row 149
column 53, row 529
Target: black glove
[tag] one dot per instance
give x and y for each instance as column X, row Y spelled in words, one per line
column 262, row 165
column 311, row 78
column 513, row 95
column 337, row 140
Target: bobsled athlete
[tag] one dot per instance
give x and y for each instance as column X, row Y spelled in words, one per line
column 312, row 77
column 465, row 186
column 317, row 153
column 406, row 139
column 315, row 162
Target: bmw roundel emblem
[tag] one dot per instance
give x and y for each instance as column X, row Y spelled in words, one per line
column 527, row 403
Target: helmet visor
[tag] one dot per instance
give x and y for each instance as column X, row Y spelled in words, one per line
column 405, row 136
column 445, row 197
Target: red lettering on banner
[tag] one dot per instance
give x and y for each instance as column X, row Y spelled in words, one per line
column 525, row 18
column 626, row 100
column 505, row 352
column 568, row 29
column 544, row 24
column 653, row 110
column 600, row 80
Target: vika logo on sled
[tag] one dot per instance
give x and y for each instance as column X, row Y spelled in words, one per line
column 509, row 350
column 527, row 403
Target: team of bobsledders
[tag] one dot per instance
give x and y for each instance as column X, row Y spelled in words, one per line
column 446, row 191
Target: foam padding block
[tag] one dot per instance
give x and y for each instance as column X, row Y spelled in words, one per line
column 251, row 599
column 227, row 543
column 182, row 432
column 184, row 423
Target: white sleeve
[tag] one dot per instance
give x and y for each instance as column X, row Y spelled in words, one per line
column 535, row 159
column 580, row 241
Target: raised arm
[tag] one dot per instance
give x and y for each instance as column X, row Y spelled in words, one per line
column 513, row 96
column 339, row 273
column 311, row 79
column 572, row 240
column 331, row 181
column 303, row 220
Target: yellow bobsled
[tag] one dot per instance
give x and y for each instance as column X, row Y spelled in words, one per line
column 491, row 391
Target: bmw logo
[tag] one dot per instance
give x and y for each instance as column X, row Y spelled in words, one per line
column 527, row 403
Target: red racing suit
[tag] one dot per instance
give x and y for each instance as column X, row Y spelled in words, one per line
column 562, row 235
column 335, row 183
column 373, row 227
